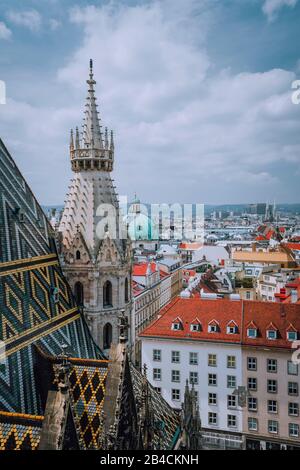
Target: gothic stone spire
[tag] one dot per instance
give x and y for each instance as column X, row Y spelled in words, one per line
column 90, row 152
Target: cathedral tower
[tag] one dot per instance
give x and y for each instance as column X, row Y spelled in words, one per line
column 95, row 250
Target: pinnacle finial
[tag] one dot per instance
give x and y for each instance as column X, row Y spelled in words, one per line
column 112, row 145
column 106, row 138
column 77, row 140
column 71, row 140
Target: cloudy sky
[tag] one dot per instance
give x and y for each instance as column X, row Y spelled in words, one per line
column 198, row 93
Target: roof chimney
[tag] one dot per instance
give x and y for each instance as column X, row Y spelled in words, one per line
column 294, row 296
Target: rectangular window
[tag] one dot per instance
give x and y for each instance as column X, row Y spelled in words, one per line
column 271, row 334
column 252, row 424
column 231, row 362
column 156, row 374
column 212, row 360
column 252, row 383
column 175, row 375
column 231, row 330
column 252, row 332
column 251, row 363
column 293, row 409
column 231, row 401
column 212, row 419
column 293, row 389
column 194, row 378
column 212, row 328
column 156, row 355
column 231, row 421
column 212, row 380
column 273, row 427
column 272, row 406
column 272, row 386
column 272, row 365
column 292, row 368
column 158, row 390
column 212, row 398
column 176, row 357
column 293, row 430
column 292, row 335
column 252, row 404
column 231, row 381
column 193, row 358
column 175, row 394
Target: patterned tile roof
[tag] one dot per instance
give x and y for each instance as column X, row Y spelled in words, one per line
column 88, row 390
column 19, row 431
column 36, row 302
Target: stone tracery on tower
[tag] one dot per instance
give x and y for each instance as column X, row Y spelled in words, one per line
column 95, row 252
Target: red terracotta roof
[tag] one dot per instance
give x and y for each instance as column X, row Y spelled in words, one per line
column 190, row 246
column 293, row 246
column 205, row 310
column 189, row 272
column 140, row 269
column 253, row 314
column 163, row 274
column 260, row 238
column 263, row 313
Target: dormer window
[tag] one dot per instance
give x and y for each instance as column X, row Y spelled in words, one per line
column 291, row 333
column 195, row 325
column 213, row 326
column 232, row 328
column 272, row 334
column 252, row 332
column 177, row 324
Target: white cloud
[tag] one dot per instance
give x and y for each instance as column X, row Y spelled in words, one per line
column 5, row 32
column 272, row 7
column 183, row 131
column 30, row 19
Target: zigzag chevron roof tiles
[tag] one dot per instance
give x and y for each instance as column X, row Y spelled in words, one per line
column 36, row 302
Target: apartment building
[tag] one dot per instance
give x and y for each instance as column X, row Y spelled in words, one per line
column 151, row 288
column 271, row 376
column 192, row 342
column 226, row 349
column 172, row 267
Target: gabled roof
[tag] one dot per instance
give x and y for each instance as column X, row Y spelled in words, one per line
column 291, row 328
column 271, row 327
column 232, row 323
column 195, row 321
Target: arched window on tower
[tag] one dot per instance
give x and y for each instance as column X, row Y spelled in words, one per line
column 78, row 293
column 107, row 294
column 107, row 336
column 78, row 255
column 126, row 290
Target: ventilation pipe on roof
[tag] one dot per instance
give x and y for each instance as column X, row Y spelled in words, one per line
column 294, row 296
column 235, row 297
column 208, row 296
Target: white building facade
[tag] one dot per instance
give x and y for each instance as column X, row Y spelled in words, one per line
column 214, row 369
